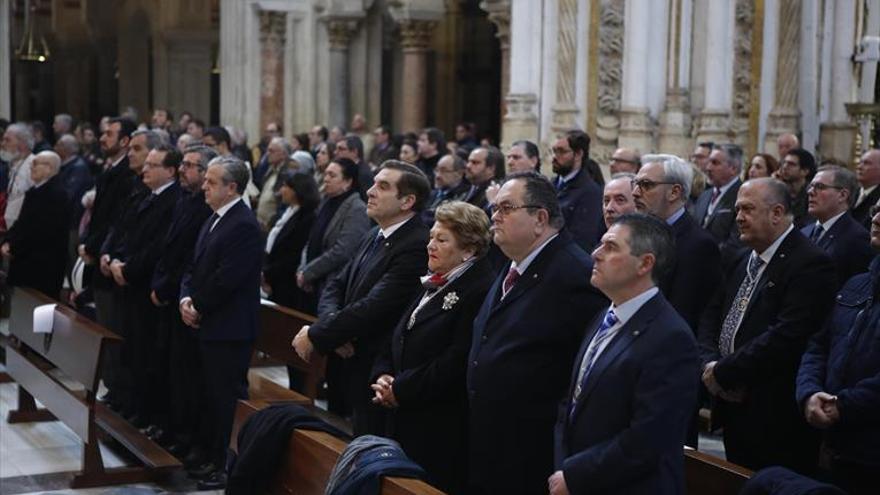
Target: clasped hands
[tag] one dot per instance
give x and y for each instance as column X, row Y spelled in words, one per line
column 821, row 410
column 715, row 388
column 384, row 392
column 304, row 347
column 189, row 314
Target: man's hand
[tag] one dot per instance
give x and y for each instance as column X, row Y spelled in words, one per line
column 556, row 484
column 821, row 411
column 492, row 192
column 384, row 393
column 116, row 268
column 81, row 251
column 345, row 351
column 303, row 345
column 105, row 265
column 5, row 250
column 154, row 298
column 189, row 314
column 709, row 379
column 301, row 282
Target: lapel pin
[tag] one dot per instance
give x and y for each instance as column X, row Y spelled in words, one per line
column 636, row 333
column 534, row 275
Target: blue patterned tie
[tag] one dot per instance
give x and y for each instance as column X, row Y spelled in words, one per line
column 738, row 308
column 590, row 356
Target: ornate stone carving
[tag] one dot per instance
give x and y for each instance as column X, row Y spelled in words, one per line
column 742, row 73
column 785, row 116
column 340, row 32
column 499, row 15
column 273, row 27
column 566, row 51
column 610, row 68
column 416, row 34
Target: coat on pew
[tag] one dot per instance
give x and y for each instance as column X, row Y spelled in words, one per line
column 38, row 240
column 428, row 361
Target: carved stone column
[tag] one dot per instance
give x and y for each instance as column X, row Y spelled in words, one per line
column 239, row 66
column 415, row 38
column 715, row 115
column 785, row 116
column 339, row 32
column 521, row 100
column 635, row 121
column 675, row 119
column 565, row 110
column 837, row 135
column 6, row 50
column 499, row 15
column 610, row 66
column 273, row 26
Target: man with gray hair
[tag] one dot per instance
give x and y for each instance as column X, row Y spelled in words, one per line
column 36, row 244
column 617, row 197
column 220, row 301
column 714, row 208
column 63, row 124
column 830, row 195
column 18, row 141
column 278, row 153
column 75, row 174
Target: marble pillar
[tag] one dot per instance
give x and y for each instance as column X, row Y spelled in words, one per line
column 6, row 52
column 188, row 73
column 675, row 120
column 273, row 27
column 240, row 66
column 415, row 38
column 565, row 110
column 339, row 34
column 499, row 15
column 521, row 101
column 785, row 115
column 718, row 92
column 837, row 135
column 636, row 127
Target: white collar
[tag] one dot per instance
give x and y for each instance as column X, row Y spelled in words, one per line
column 159, row 190
column 768, row 253
column 119, row 160
column 522, row 266
column 389, row 231
column 831, row 221
column 629, row 308
column 723, row 189
column 225, row 208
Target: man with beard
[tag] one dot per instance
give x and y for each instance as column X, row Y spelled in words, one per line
column 580, row 197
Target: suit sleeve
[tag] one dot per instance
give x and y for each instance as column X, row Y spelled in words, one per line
column 389, row 295
column 663, row 399
column 859, row 404
column 354, row 226
column 710, row 326
column 803, row 308
column 241, row 255
column 811, row 373
column 139, row 265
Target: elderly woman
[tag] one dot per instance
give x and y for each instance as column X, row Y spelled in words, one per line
column 341, row 222
column 421, row 377
column 323, row 154
column 761, row 165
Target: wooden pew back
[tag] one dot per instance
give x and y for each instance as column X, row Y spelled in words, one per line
column 278, row 326
column 708, row 475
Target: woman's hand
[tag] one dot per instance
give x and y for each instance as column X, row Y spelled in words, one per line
column 384, row 392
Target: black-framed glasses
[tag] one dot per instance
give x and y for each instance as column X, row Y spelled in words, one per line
column 506, row 209
column 818, row 186
column 648, row 184
column 188, row 164
column 874, row 210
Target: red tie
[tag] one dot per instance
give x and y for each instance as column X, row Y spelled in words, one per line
column 715, row 193
column 509, row 280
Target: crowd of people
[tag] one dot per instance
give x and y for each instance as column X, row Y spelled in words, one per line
column 515, row 332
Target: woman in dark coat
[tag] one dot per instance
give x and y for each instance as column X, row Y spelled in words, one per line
column 288, row 238
column 421, row 377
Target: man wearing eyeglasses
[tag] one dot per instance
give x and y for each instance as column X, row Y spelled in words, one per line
column 624, row 160
column 525, row 339
column 830, row 196
column 580, row 197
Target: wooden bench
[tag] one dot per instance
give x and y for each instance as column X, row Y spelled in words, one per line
column 709, row 475
column 75, row 349
column 278, row 327
column 311, row 455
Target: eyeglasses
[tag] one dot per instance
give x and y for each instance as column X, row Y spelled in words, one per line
column 648, row 184
column 818, row 186
column 560, row 151
column 506, row 209
column 186, row 164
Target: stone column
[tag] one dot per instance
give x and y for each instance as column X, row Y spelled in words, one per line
column 785, row 115
column 415, row 37
column 837, row 135
column 635, row 121
column 188, row 72
column 499, row 15
column 5, row 54
column 675, row 120
column 239, row 66
column 521, row 101
column 339, row 33
column 273, row 26
column 565, row 110
column 715, row 115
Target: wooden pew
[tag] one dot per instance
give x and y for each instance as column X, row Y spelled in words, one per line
column 310, row 457
column 75, row 349
column 708, row 475
column 278, row 326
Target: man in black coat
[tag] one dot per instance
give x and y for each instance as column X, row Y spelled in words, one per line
column 352, row 147
column 38, row 241
column 525, row 337
column 176, row 250
column 755, row 330
column 360, row 307
column 580, row 197
column 483, row 166
column 714, row 210
column 869, row 194
column 830, row 194
column 132, row 270
column 75, row 175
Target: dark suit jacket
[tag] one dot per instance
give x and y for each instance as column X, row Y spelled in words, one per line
column 789, row 304
column 521, row 355
column 38, row 240
column 429, row 362
column 177, row 246
column 627, row 429
column 111, row 191
column 696, row 274
column 862, row 212
column 223, row 279
column 143, row 243
column 280, row 264
column 77, row 179
column 848, row 244
column 722, row 222
column 126, row 220
column 580, row 200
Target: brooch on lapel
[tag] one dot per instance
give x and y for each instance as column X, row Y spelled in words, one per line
column 449, row 301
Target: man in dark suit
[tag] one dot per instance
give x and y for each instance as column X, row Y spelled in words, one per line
column 714, row 209
column 525, row 338
column 449, row 185
column 184, row 365
column 360, row 307
column 580, row 197
column 635, row 381
column 869, row 194
column 797, row 169
column 132, row 270
column 830, row 195
column 37, row 242
column 383, row 147
column 755, row 330
column 220, row 300
column 74, row 174
column 352, row 147
column 484, row 165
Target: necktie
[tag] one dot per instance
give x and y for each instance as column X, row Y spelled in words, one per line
column 738, row 308
column 715, row 193
column 149, row 200
column 592, row 351
column 213, row 218
column 509, row 281
column 371, row 250
column 816, row 234
column 203, row 234
column 560, row 183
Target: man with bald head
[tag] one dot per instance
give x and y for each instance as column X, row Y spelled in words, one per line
column 785, row 143
column 755, row 330
column 37, row 243
column 625, row 160
column 617, row 198
column 868, row 174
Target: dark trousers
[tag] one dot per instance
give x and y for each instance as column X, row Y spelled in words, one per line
column 148, row 349
column 185, row 379
column 792, row 445
column 854, row 478
column 224, row 366
column 353, row 384
column 109, row 304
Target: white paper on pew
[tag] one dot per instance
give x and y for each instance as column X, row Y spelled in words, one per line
column 43, row 318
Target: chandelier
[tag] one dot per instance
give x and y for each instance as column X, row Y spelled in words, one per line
column 33, row 46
